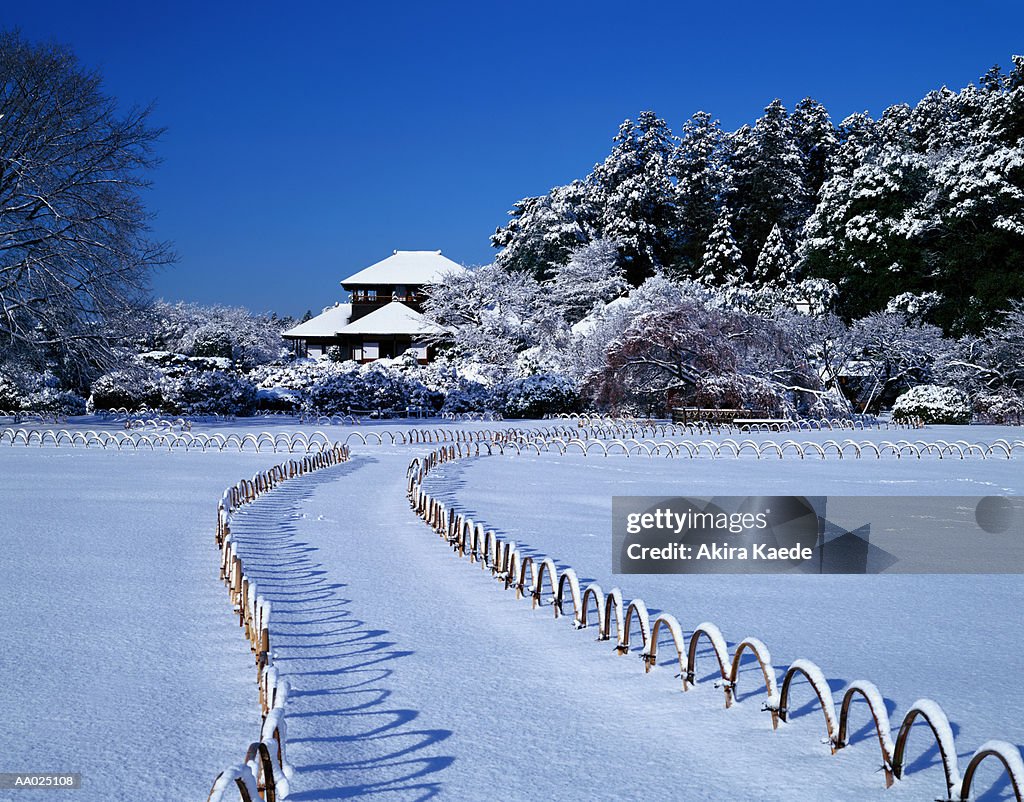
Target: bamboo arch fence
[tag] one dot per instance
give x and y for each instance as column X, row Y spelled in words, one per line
column 615, row 618
column 264, row 772
column 290, row 442
column 553, row 440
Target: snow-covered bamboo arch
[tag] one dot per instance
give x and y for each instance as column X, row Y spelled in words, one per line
column 612, row 611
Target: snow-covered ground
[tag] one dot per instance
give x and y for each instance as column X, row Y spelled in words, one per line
column 414, row 675
column 119, row 657
column 914, row 636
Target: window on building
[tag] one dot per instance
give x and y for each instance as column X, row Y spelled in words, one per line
column 371, row 350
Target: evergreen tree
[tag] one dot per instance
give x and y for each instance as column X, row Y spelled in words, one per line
column 768, row 181
column 774, row 263
column 592, row 275
column 544, row 230
column 636, row 197
column 817, row 141
column 722, row 263
column 701, row 178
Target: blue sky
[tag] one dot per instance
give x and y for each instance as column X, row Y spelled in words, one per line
column 308, row 140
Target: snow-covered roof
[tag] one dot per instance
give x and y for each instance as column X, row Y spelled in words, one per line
column 406, row 267
column 589, row 323
column 394, row 318
column 326, row 324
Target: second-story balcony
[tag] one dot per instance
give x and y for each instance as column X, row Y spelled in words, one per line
column 385, row 296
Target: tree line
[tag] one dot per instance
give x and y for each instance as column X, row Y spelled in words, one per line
column 924, row 204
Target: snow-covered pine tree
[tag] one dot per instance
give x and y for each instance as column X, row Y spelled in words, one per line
column 767, row 187
column 817, row 140
column 722, row 262
column 775, row 263
column 701, row 178
column 636, row 197
column 544, row 230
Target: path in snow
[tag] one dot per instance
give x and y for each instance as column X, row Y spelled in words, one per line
column 415, row 675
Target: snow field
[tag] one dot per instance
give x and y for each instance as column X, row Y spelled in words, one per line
column 116, row 658
column 377, row 549
column 521, row 499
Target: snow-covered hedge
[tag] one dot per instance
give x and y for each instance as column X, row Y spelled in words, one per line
column 737, row 391
column 468, row 396
column 375, row 386
column 212, row 392
column 130, row 389
column 39, row 392
column 1004, row 407
column 539, row 395
column 933, row 404
column 172, row 363
column 56, row 401
column 299, row 375
column 278, row 399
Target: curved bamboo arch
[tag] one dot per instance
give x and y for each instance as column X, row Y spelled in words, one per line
column 832, row 444
column 768, row 445
column 241, row 777
column 810, row 445
column 638, row 608
column 710, row 445
column 594, row 592
column 620, row 444
column 727, row 442
column 937, row 722
column 794, row 445
column 260, row 755
column 721, row 650
column 751, row 445
column 764, row 660
column 879, row 715
column 820, row 687
column 1005, row 753
column 613, row 605
column 538, row 570
column 650, row 652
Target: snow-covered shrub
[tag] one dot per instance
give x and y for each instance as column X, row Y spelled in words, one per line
column 377, row 385
column 55, row 401
column 278, row 399
column 468, row 396
column 130, row 389
column 1002, row 407
column 212, row 341
column 211, row 392
column 11, row 394
column 299, row 375
column 914, row 306
column 335, row 353
column 216, row 331
column 539, row 395
column 174, row 364
column 933, row 404
column 738, row 391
